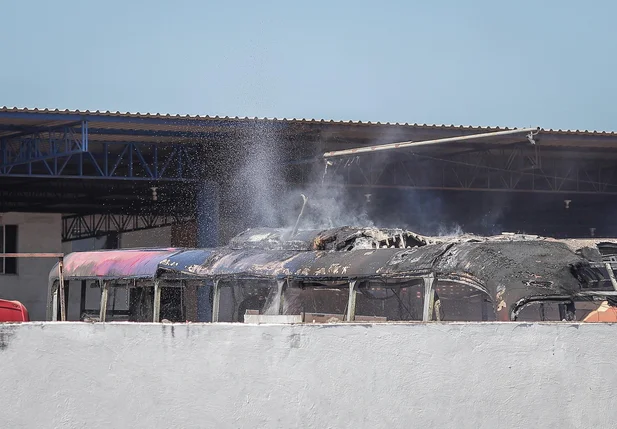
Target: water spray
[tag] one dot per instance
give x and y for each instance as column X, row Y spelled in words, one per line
column 295, row 230
column 325, row 172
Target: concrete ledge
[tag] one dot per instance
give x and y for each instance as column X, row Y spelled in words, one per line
column 447, row 375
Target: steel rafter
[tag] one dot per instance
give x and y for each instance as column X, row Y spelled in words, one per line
column 78, row 227
column 515, row 169
column 41, row 144
column 117, row 161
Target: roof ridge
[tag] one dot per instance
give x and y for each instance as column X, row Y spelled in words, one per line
column 26, row 110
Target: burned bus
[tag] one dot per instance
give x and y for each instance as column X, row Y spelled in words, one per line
column 349, row 275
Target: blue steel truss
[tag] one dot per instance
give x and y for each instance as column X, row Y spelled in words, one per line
column 65, row 151
column 118, row 161
column 41, row 144
column 113, row 146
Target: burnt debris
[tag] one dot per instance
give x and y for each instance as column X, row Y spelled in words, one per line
column 389, row 274
column 337, row 239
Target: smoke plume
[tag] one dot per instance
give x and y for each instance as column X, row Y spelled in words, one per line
column 262, row 196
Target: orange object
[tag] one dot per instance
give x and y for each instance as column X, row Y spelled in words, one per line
column 605, row 313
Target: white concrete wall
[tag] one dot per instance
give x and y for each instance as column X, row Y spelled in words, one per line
column 508, row 375
column 36, row 233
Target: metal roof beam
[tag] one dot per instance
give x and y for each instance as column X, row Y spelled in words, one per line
column 132, row 163
column 155, row 133
column 25, row 130
column 162, row 120
column 411, row 144
column 76, row 176
column 60, row 142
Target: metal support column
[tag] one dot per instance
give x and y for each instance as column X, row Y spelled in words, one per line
column 156, row 312
column 84, row 136
column 61, row 289
column 54, row 304
column 104, row 295
column 216, row 301
column 611, row 274
column 429, row 298
column 351, row 304
column 82, row 299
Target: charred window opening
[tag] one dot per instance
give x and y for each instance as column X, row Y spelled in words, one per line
column 181, row 301
column 319, row 303
column 132, row 301
column 119, row 300
column 240, row 297
column 375, row 302
column 256, row 297
column 595, row 277
column 547, row 311
column 455, row 301
column 608, row 251
column 141, row 303
column 323, row 302
column 391, row 302
column 198, row 299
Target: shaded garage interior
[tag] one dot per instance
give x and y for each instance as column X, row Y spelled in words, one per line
column 109, row 173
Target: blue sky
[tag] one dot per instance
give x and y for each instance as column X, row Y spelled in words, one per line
column 518, row 63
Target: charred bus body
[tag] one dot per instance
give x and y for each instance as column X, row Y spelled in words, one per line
column 350, row 274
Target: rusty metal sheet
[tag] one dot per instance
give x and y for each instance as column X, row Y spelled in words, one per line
column 131, row 263
column 308, row 266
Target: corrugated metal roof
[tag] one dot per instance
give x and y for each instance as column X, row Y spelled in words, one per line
column 187, row 119
column 130, row 263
